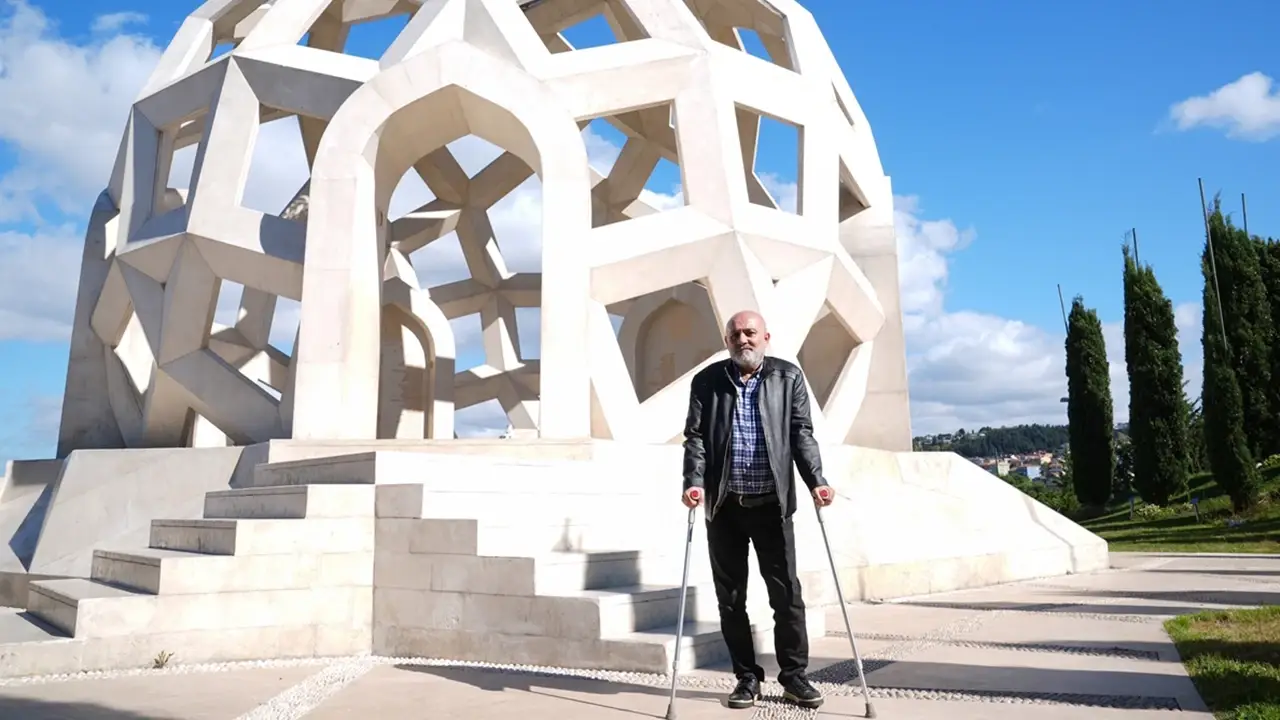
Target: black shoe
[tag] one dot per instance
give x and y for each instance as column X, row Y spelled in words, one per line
column 801, row 692
column 746, row 694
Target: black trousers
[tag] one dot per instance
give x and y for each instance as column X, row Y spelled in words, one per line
column 729, row 534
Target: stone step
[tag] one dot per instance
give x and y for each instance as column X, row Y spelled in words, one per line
column 454, row 472
column 654, row 614
column 550, row 573
column 265, row 537
column 623, row 611
column 559, row 572
column 72, row 605
column 536, row 536
column 702, row 644
column 582, row 615
column 21, row 626
column 89, row 609
column 647, row 651
column 178, row 572
column 291, row 502
column 437, row 470
column 518, row 506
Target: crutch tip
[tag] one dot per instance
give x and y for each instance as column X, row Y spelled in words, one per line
column 871, row 710
column 671, row 712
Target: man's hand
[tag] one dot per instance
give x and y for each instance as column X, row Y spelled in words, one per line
column 823, row 495
column 692, row 497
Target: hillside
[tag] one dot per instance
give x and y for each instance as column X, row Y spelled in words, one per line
column 996, row 442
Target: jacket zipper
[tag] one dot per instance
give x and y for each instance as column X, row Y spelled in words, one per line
column 764, row 433
column 722, row 485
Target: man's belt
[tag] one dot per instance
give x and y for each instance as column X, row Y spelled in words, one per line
column 750, row 501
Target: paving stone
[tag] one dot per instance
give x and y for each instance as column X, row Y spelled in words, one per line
column 1017, row 673
column 204, row 696
column 895, row 619
column 396, row 692
column 903, row 709
column 1016, row 652
column 823, row 653
column 1047, row 632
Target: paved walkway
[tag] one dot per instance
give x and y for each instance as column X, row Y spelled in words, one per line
column 1088, row 647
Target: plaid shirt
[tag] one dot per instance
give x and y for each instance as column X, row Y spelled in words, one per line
column 749, row 471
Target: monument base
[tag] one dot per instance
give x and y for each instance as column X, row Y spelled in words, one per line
column 513, row 551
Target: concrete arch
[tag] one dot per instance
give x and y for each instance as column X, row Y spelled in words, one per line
column 634, row 335
column 428, row 356
column 399, row 116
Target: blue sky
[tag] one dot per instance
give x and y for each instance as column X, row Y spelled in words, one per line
column 1024, row 140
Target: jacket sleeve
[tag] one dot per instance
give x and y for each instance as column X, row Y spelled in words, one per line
column 695, row 453
column 804, row 449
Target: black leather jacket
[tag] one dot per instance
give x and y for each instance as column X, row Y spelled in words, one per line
column 784, row 414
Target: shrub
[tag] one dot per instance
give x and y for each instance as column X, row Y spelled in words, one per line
column 1159, row 512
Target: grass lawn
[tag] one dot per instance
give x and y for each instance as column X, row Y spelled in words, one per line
column 1219, row 530
column 1234, row 659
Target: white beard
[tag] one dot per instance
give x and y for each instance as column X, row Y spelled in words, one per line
column 747, row 359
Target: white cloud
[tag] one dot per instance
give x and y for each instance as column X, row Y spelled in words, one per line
column 64, row 107
column 115, row 22
column 969, row 369
column 38, row 278
column 1247, row 109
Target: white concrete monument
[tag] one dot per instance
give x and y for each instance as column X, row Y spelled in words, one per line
column 149, row 369
column 341, row 516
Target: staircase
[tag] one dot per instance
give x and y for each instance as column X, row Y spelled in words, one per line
column 548, row 563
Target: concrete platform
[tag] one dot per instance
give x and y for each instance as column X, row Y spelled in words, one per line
column 1085, row 647
column 526, row 556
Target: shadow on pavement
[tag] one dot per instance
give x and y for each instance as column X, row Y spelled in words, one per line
column 557, row 687
column 1243, row 598
column 1079, row 606
column 17, row 708
column 1091, row 687
column 1212, row 571
column 1203, row 557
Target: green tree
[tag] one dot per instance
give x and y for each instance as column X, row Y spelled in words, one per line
column 996, row 442
column 1269, row 269
column 1089, row 410
column 1246, row 313
column 1123, row 487
column 1226, row 442
column 1157, row 415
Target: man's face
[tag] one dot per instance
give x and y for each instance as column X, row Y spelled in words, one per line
column 746, row 339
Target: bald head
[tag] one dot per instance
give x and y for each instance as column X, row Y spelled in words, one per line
column 746, row 336
column 743, row 319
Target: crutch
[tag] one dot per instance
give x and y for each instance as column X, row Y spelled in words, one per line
column 696, row 495
column 826, row 493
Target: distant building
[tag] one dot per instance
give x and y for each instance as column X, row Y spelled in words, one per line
column 1030, row 472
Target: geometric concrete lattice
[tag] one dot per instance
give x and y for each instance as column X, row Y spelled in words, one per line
column 374, row 357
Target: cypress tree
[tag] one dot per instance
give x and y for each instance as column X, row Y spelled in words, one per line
column 1157, row 413
column 1226, row 441
column 1269, row 267
column 1247, row 315
column 1089, row 410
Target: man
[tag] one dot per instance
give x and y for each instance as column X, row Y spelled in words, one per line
column 748, row 422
